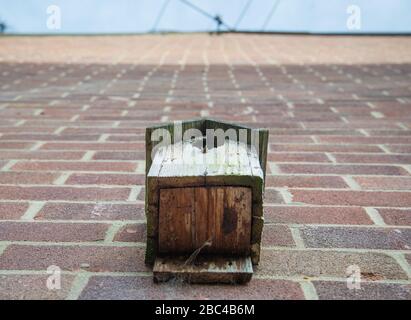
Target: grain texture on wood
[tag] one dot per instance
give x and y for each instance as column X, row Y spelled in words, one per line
column 190, row 217
column 175, row 219
column 215, row 269
column 255, row 137
column 187, row 162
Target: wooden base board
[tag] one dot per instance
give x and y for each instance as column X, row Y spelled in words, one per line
column 210, row 269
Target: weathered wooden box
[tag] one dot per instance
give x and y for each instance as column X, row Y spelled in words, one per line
column 204, row 200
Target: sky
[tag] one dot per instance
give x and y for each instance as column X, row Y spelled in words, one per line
column 140, row 16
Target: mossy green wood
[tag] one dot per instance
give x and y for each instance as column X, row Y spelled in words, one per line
column 154, row 183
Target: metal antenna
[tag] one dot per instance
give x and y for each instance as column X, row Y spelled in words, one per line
column 218, row 19
column 242, row 14
column 273, row 9
column 3, row 26
column 160, row 15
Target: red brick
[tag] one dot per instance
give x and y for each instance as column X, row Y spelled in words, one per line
column 74, row 258
column 21, row 129
column 290, row 139
column 388, row 105
column 50, row 137
column 52, row 115
column 41, row 155
column 314, row 263
column 63, row 193
column 396, row 217
column 277, row 235
column 355, row 109
column 297, row 122
column 92, row 146
column 361, row 124
column 132, row 233
column 102, row 130
column 353, row 198
column 114, row 110
column 344, row 237
column 126, row 138
column 273, row 196
column 119, row 155
column 311, row 116
column 363, row 140
column 140, row 124
column 33, row 287
column 15, row 145
column 396, row 133
column 316, row 215
column 342, row 169
column 153, row 118
column 311, row 132
column 8, row 122
column 142, row 194
column 304, row 181
column 62, row 123
column 27, row 177
column 12, row 210
column 323, row 148
column 384, row 183
column 75, row 166
column 373, row 158
column 57, row 232
column 98, row 211
column 132, row 288
column 327, row 290
column 297, row 157
column 106, row 179
column 399, row 148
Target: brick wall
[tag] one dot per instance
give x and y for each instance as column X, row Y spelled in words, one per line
column 72, row 119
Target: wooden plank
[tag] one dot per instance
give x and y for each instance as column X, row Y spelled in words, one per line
column 202, row 220
column 186, row 160
column 175, row 219
column 236, row 223
column 263, row 149
column 255, row 166
column 150, row 144
column 256, row 235
column 215, row 211
column 189, row 217
column 252, row 133
column 203, row 125
column 240, row 169
column 181, row 165
column 215, row 269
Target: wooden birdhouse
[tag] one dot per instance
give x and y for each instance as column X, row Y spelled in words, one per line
column 204, row 200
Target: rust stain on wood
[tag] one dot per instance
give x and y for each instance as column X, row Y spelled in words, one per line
column 229, row 220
